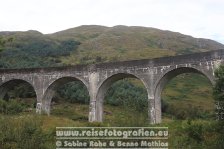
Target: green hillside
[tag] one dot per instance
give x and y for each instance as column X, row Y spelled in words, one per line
column 187, row 102
column 127, row 43
column 96, row 44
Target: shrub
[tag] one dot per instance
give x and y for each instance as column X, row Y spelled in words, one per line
column 12, row 106
column 186, row 112
column 22, row 133
column 125, row 93
column 73, row 92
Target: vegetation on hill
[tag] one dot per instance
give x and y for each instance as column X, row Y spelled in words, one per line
column 33, row 49
column 218, row 96
column 127, row 43
column 187, row 101
column 96, row 44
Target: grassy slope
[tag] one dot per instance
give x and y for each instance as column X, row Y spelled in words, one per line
column 190, row 89
column 124, row 43
column 101, row 44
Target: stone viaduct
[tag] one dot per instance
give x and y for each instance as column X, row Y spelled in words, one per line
column 154, row 74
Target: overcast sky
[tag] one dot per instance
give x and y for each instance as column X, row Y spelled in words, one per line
column 199, row 18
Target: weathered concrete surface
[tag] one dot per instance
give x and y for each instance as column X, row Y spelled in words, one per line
column 154, row 74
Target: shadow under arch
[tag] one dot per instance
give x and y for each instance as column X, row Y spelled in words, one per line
column 50, row 91
column 10, row 84
column 105, row 85
column 165, row 79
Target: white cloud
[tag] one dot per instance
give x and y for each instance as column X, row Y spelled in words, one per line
column 199, row 18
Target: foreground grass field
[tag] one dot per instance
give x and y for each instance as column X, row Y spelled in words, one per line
column 32, row 128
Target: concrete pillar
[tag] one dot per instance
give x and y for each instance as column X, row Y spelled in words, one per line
column 154, row 104
column 39, row 104
column 99, row 107
column 158, row 107
column 46, row 108
column 93, row 79
column 153, row 112
column 46, row 101
column 43, row 104
column 148, row 81
column 43, row 96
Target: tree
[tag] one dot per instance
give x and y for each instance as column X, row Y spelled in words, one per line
column 218, row 93
column 218, row 90
column 1, row 44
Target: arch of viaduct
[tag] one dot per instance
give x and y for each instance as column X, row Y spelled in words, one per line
column 154, row 74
